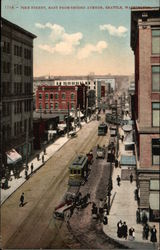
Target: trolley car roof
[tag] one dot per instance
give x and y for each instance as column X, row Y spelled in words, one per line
column 79, row 162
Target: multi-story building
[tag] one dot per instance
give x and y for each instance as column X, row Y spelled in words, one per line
column 59, row 99
column 145, row 41
column 92, row 82
column 16, row 88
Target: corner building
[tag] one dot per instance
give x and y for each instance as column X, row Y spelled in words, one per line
column 16, row 88
column 145, row 43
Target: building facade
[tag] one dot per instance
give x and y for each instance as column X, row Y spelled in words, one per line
column 59, row 99
column 16, row 88
column 145, row 41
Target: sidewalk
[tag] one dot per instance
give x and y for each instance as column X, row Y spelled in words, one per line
column 15, row 183
column 124, row 207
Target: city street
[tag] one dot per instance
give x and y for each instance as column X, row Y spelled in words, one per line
column 33, row 226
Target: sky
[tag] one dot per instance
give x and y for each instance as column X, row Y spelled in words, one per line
column 77, row 37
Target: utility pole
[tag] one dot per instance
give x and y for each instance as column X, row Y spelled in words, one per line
column 27, row 127
column 68, row 122
column 86, row 106
column 79, row 117
column 117, row 129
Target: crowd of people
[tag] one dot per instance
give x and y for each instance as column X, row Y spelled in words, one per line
column 123, row 232
column 122, row 229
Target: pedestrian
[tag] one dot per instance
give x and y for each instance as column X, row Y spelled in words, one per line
column 42, row 158
column 26, row 174
column 27, row 167
column 3, row 183
column 32, row 168
column 124, row 230
column 153, row 234
column 122, row 138
column 44, row 151
column 145, row 232
column 118, row 180
column 105, row 219
column 131, row 233
column 116, row 163
column 131, row 178
column 144, row 217
column 21, row 200
column 119, row 229
column 138, row 216
column 37, row 157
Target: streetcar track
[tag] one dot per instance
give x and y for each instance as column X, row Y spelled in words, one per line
column 35, row 215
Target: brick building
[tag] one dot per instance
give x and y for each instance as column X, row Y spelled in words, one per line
column 16, row 88
column 145, row 42
column 57, row 99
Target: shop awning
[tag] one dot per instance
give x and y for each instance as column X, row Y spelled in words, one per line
column 154, row 185
column 79, row 114
column 154, row 201
column 128, row 160
column 13, row 157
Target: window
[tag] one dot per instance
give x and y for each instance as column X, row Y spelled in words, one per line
column 6, row 109
column 156, row 41
column 17, row 69
column 51, row 96
column 56, row 96
column 6, row 47
column 156, row 78
column 18, row 88
column 51, row 105
column 27, row 105
column 40, row 96
column 56, row 105
column 40, row 106
column 6, row 88
column 46, row 106
column 79, row 171
column 72, row 105
column 27, row 53
column 27, row 87
column 27, row 71
column 46, row 95
column 17, row 50
column 63, row 96
column 6, row 67
column 156, row 114
column 72, row 96
column 156, row 151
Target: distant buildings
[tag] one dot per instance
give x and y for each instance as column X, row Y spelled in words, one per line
column 16, row 88
column 145, row 41
column 58, row 100
column 92, row 82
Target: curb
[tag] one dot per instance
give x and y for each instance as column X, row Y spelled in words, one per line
column 38, row 168
column 32, row 173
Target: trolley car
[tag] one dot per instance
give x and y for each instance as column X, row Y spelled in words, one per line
column 102, row 129
column 78, row 171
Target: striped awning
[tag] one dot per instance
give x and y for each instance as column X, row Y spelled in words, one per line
column 13, row 157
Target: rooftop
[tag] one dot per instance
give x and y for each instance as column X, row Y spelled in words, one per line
column 16, row 27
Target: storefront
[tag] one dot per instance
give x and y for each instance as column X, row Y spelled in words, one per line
column 154, row 197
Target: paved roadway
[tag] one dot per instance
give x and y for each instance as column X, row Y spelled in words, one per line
column 33, row 226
